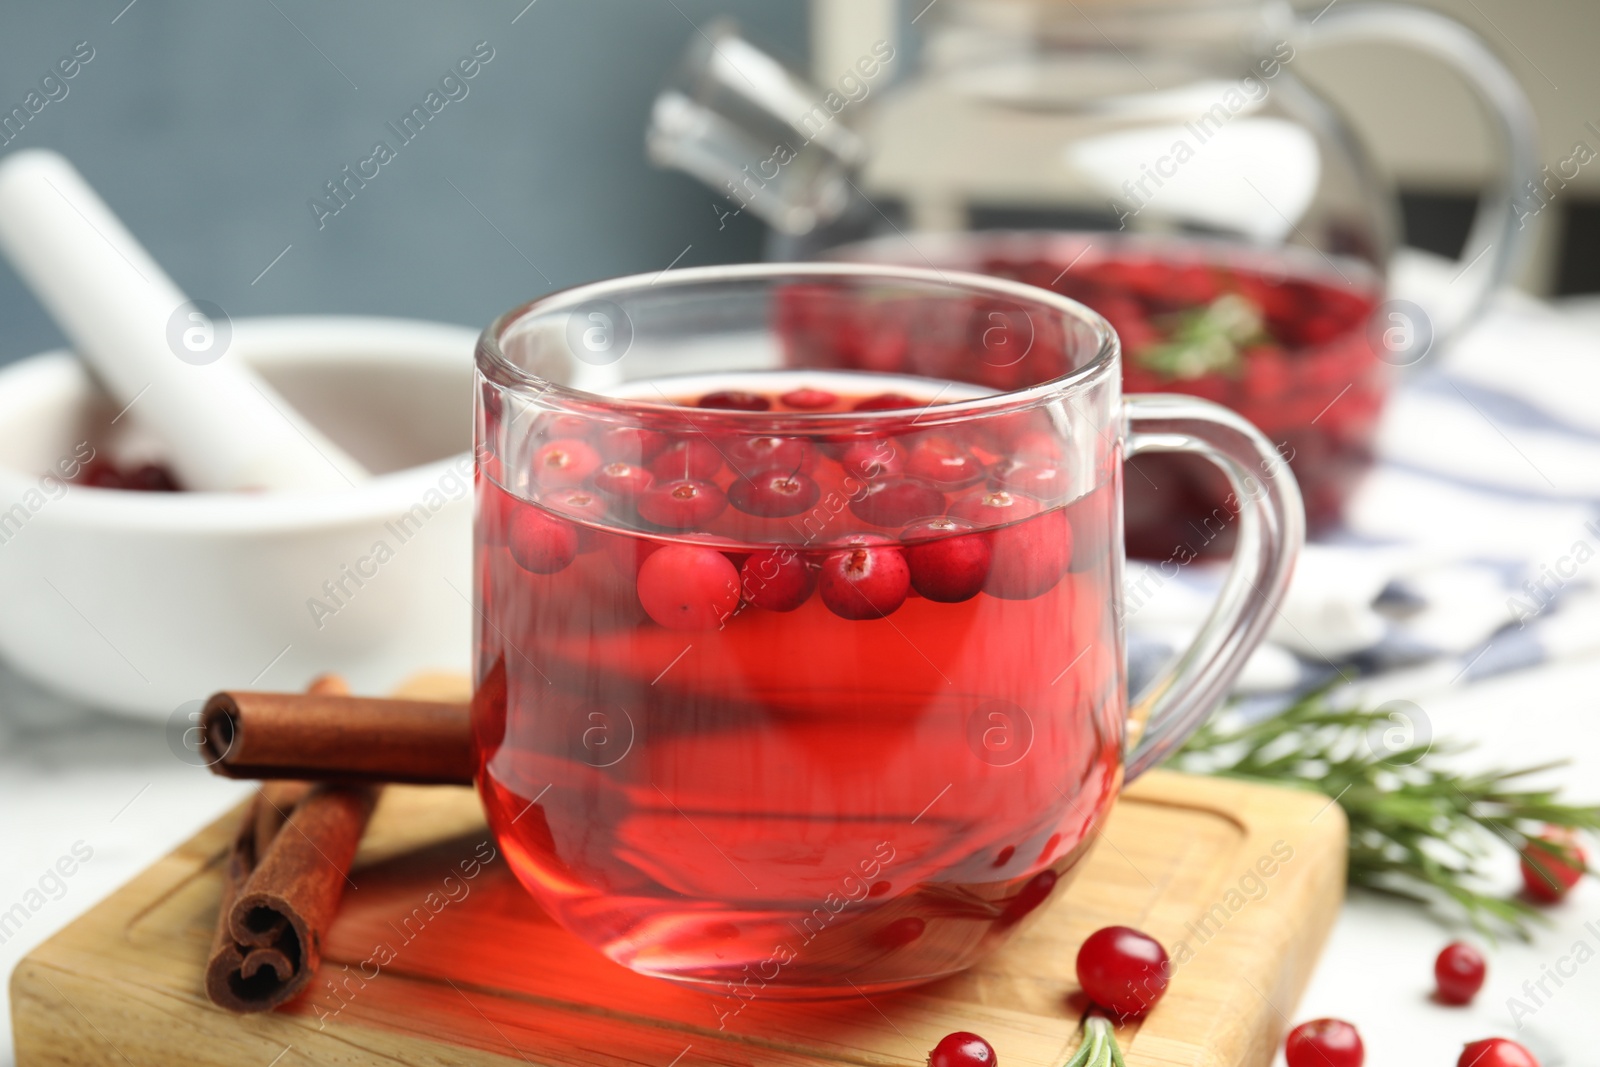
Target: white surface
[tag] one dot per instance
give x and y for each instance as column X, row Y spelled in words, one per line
column 224, row 426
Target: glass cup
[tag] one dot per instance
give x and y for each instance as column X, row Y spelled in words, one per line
column 799, row 655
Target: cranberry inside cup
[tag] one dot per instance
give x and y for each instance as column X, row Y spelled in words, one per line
column 816, row 576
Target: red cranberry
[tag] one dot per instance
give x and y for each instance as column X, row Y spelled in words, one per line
column 896, row 501
column 735, row 400
column 1123, row 970
column 553, row 426
column 951, row 568
column 101, row 474
column 567, row 461
column 962, row 1049
column 695, row 458
column 1459, row 970
column 876, row 458
column 943, row 462
column 750, row 455
column 867, row 580
column 1041, row 483
column 774, row 494
column 687, row 587
column 1552, row 864
column 623, row 480
column 886, row 402
column 151, row 478
column 777, row 580
column 1029, row 556
column 1495, row 1052
column 809, row 399
column 684, row 504
column 994, row 507
column 1324, row 1043
column 631, row 444
column 540, row 542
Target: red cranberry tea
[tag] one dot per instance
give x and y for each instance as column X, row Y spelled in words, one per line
column 796, row 710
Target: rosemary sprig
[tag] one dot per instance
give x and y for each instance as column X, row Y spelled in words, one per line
column 1099, row 1048
column 1206, row 340
column 1418, row 829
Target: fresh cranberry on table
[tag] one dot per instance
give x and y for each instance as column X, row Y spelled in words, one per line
column 683, row 504
column 774, row 494
column 952, row 568
column 539, row 542
column 962, row 1049
column 1495, row 1052
column 563, row 462
column 777, row 580
column 866, row 580
column 1123, row 970
column 1324, row 1043
column 688, row 587
column 1459, row 972
column 1552, row 864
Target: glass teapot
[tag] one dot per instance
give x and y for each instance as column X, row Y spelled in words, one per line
column 1188, row 164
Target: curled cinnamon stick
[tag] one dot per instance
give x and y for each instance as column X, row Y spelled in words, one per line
column 284, row 877
column 333, row 737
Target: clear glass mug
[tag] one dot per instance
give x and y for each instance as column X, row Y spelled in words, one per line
column 799, row 653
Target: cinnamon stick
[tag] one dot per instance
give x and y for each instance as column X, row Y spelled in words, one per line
column 334, row 737
column 283, row 881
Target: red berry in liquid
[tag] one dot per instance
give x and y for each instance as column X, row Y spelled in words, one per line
column 1494, row 1052
column 1552, row 864
column 878, row 458
column 1123, row 970
column 581, row 505
column 684, row 504
column 951, row 568
column 696, row 458
column 1459, row 971
column 735, row 400
column 631, row 444
column 1041, row 483
column 777, row 580
column 895, row 502
column 751, row 455
column 1324, row 1043
column 962, row 1049
column 944, row 463
column 864, row 581
column 563, row 462
column 808, row 399
column 539, row 542
column 886, row 402
column 774, row 494
column 1030, row 556
column 623, row 480
column 686, row 587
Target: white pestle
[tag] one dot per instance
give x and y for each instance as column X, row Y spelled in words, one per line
column 223, row 426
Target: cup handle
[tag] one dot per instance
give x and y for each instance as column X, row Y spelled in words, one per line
column 1497, row 235
column 1271, row 531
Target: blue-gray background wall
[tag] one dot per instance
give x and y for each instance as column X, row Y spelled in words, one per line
column 208, row 124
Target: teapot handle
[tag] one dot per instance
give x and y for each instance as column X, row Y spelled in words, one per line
column 1497, row 240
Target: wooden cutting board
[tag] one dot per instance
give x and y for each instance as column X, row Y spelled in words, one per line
column 424, row 969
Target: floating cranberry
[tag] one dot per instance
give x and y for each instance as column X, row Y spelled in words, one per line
column 1029, row 556
column 750, row 455
column 1552, row 864
column 994, row 507
column 687, row 587
column 553, row 426
column 735, row 400
column 809, row 399
column 539, row 542
column 962, row 1049
column 896, row 501
column 1324, row 1043
column 1459, row 971
column 1494, row 1052
column 951, row 568
column 867, row 580
column 1041, row 483
column 777, row 580
column 695, row 458
column 623, row 480
column 684, row 504
column 774, row 494
column 886, row 402
column 566, row 461
column 875, row 458
column 582, row 505
column 1123, row 970
column 945, row 463
column 631, row 444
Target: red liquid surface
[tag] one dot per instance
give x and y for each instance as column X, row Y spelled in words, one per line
column 798, row 802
